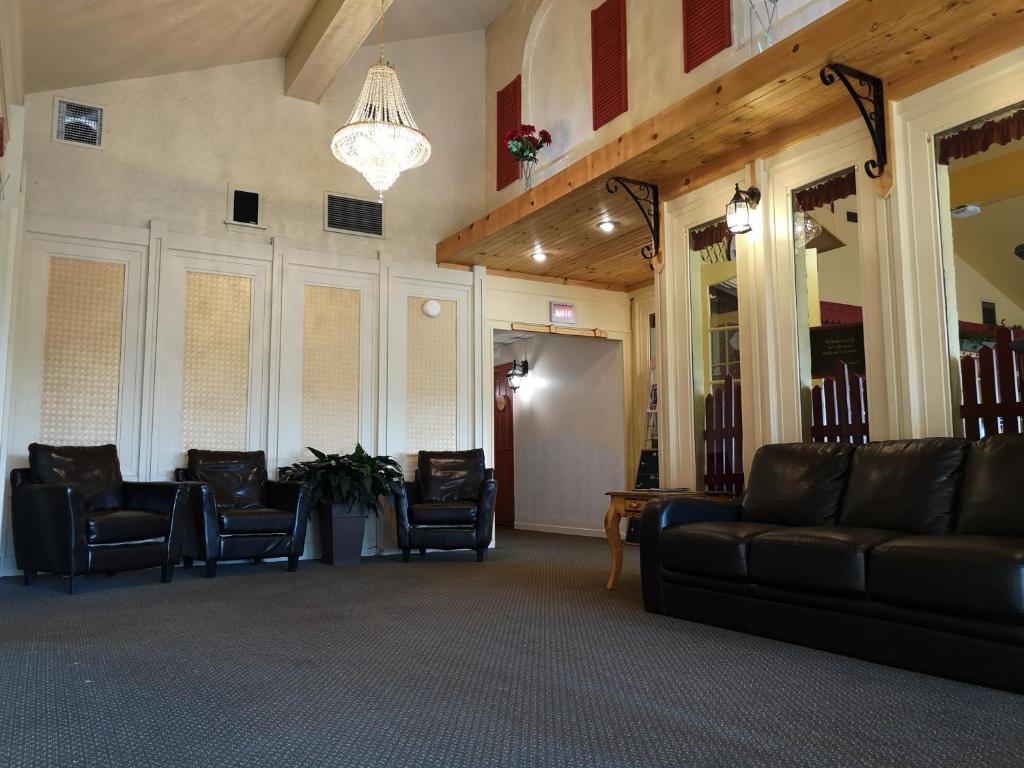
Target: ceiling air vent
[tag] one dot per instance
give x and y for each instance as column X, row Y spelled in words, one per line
column 78, row 123
column 350, row 214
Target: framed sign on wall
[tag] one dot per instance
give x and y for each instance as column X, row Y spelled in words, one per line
column 563, row 313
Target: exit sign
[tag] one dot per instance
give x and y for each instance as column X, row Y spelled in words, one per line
column 562, row 312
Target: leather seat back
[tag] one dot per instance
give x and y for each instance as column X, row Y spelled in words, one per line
column 236, row 477
column 797, row 483
column 95, row 469
column 904, row 485
column 450, row 475
column 990, row 499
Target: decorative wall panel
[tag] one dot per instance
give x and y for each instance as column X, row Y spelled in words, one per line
column 330, row 368
column 215, row 368
column 432, row 368
column 82, row 352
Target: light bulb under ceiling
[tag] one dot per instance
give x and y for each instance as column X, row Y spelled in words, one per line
column 607, row 226
column 539, row 256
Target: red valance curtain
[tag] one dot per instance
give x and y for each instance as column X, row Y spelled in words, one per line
column 972, row 141
column 709, row 236
column 833, row 188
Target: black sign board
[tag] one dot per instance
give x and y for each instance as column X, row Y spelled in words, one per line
column 831, row 344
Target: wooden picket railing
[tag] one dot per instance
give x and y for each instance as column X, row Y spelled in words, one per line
column 723, row 439
column 839, row 408
column 992, row 389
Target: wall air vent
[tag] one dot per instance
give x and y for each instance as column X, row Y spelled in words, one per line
column 353, row 215
column 78, row 123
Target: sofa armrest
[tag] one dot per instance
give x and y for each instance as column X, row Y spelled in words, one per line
column 660, row 514
column 183, row 503
column 486, row 498
column 50, row 528
column 296, row 497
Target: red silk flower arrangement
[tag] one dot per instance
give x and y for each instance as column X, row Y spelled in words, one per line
column 525, row 141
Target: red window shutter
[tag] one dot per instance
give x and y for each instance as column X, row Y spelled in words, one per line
column 707, row 29
column 608, row 61
column 509, row 118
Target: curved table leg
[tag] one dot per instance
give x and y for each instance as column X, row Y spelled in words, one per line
column 611, row 530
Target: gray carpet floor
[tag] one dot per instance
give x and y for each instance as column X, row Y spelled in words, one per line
column 524, row 660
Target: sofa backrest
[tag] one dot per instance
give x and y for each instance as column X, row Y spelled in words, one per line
column 797, row 483
column 991, row 499
column 95, row 469
column 904, row 485
column 236, row 477
column 450, row 475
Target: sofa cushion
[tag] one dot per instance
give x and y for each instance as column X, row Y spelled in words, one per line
column 710, row 549
column 954, row 574
column 443, row 513
column 255, row 520
column 450, row 475
column 117, row 526
column 904, row 485
column 96, row 471
column 828, row 559
column 236, row 477
column 989, row 503
column 797, row 483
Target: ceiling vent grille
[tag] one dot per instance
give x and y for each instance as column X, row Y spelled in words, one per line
column 79, row 124
column 350, row 214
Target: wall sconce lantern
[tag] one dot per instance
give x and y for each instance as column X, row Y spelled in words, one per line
column 737, row 212
column 516, row 374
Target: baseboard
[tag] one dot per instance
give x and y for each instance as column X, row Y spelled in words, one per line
column 567, row 530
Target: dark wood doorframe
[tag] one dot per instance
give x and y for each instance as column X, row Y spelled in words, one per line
column 504, row 450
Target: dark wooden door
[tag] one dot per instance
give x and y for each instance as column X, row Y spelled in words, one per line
column 504, row 449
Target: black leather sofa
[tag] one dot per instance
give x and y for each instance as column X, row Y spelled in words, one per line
column 449, row 506
column 243, row 515
column 909, row 553
column 73, row 514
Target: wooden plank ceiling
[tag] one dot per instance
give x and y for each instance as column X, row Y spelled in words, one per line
column 769, row 102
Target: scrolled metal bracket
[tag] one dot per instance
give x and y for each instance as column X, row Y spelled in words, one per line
column 869, row 97
column 646, row 196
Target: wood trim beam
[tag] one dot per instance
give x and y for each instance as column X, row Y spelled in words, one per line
column 329, row 38
column 548, row 279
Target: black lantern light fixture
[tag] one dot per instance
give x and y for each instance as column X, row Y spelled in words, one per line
column 737, row 212
column 516, row 374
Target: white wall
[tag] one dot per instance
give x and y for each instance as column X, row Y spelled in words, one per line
column 569, row 431
column 173, row 143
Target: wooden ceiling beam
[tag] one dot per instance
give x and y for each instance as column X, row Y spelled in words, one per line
column 329, row 38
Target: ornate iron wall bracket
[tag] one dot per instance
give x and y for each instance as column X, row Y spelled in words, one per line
column 645, row 195
column 870, row 100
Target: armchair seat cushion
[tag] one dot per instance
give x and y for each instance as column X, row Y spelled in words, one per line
column 123, row 525
column 443, row 513
column 954, row 574
column 816, row 559
column 256, row 520
column 710, row 549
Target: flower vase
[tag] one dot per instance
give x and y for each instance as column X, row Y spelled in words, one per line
column 526, row 172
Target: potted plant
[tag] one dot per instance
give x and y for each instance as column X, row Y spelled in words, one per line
column 524, row 142
column 346, row 489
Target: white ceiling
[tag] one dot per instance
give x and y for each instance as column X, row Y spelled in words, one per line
column 69, row 43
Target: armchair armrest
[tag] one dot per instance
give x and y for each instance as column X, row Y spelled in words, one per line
column 294, row 497
column 49, row 528
column 409, row 495
column 182, row 502
column 485, row 510
column 660, row 514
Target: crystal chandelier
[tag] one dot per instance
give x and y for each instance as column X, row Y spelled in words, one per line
column 381, row 139
column 805, row 227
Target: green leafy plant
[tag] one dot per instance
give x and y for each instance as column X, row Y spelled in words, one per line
column 355, row 479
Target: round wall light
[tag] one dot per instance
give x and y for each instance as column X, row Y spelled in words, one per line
column 431, row 308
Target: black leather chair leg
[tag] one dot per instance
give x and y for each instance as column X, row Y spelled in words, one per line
column 480, row 554
column 72, row 583
column 257, row 561
column 166, row 573
column 211, row 568
column 187, row 561
column 405, row 555
column 30, row 578
column 111, row 573
column 293, row 563
column 423, row 550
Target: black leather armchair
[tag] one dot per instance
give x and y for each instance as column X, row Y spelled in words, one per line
column 73, row 515
column 243, row 514
column 449, row 506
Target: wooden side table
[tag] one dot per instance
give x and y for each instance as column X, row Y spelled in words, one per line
column 627, row 504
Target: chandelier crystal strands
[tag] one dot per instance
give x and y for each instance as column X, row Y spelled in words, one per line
column 380, row 139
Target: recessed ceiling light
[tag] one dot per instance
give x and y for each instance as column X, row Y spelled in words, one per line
column 539, row 256
column 607, row 226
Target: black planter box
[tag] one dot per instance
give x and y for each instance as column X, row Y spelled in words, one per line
column 341, row 533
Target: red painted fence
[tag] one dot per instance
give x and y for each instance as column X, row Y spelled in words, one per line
column 992, row 389
column 839, row 408
column 723, row 439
